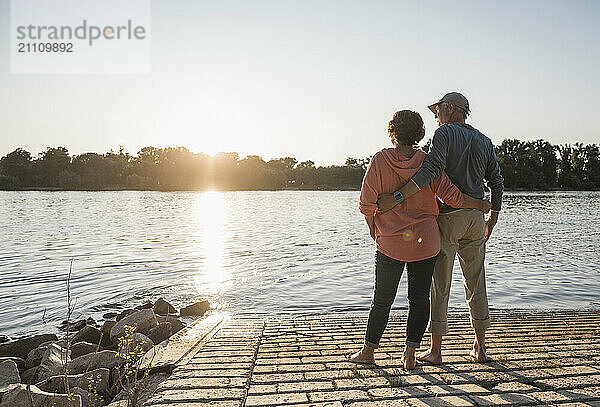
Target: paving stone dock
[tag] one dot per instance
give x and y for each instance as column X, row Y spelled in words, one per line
column 550, row 358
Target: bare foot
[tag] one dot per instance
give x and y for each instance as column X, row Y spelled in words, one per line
column 362, row 357
column 429, row 356
column 478, row 354
column 409, row 360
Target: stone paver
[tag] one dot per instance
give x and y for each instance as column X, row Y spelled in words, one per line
column 541, row 358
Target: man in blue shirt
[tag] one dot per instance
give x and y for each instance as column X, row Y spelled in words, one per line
column 468, row 158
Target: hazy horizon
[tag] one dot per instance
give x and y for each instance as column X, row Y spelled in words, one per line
column 319, row 81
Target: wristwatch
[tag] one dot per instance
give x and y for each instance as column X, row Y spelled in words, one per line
column 398, row 196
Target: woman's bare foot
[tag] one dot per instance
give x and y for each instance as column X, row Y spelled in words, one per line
column 430, row 356
column 364, row 356
column 478, row 353
column 409, row 358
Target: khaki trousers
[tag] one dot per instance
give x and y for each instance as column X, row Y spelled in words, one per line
column 462, row 232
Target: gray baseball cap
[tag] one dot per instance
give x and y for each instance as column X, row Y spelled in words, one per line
column 458, row 99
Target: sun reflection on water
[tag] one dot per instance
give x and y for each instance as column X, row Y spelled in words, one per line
column 213, row 278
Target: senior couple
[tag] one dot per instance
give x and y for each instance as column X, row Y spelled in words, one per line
column 423, row 209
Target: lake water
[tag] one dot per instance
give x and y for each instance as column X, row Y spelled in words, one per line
column 286, row 252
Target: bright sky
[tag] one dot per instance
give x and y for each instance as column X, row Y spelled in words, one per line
column 319, row 79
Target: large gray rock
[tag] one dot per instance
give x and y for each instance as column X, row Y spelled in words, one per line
column 18, row 361
column 21, row 347
column 34, row 358
column 9, row 373
column 106, row 327
column 52, row 363
column 125, row 313
column 143, row 321
column 138, row 344
column 97, row 379
column 30, row 376
column 161, row 332
column 162, row 307
column 196, row 309
column 83, row 348
column 104, row 359
column 176, row 324
column 22, row 395
column 89, row 334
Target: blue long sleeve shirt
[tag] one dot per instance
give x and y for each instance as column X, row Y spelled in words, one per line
column 468, row 157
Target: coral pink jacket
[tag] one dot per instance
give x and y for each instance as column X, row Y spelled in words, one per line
column 409, row 232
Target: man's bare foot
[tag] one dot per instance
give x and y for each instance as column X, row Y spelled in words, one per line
column 429, row 356
column 409, row 360
column 362, row 356
column 478, row 354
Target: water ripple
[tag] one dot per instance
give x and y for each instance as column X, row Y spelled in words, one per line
column 243, row 252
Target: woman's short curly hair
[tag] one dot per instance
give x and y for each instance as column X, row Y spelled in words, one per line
column 406, row 127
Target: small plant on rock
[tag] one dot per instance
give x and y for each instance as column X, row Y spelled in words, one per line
column 130, row 374
column 95, row 399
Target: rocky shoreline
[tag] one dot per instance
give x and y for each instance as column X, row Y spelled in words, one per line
column 95, row 362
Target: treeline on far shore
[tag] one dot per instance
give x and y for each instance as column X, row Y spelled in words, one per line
column 531, row 165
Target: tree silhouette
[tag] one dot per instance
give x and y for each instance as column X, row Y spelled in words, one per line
column 536, row 165
column 16, row 169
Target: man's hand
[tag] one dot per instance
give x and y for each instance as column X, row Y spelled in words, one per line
column 490, row 223
column 385, row 202
column 489, row 226
column 485, row 206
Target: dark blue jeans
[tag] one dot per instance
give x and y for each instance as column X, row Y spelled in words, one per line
column 387, row 276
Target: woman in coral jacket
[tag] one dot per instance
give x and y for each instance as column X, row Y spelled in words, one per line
column 406, row 235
